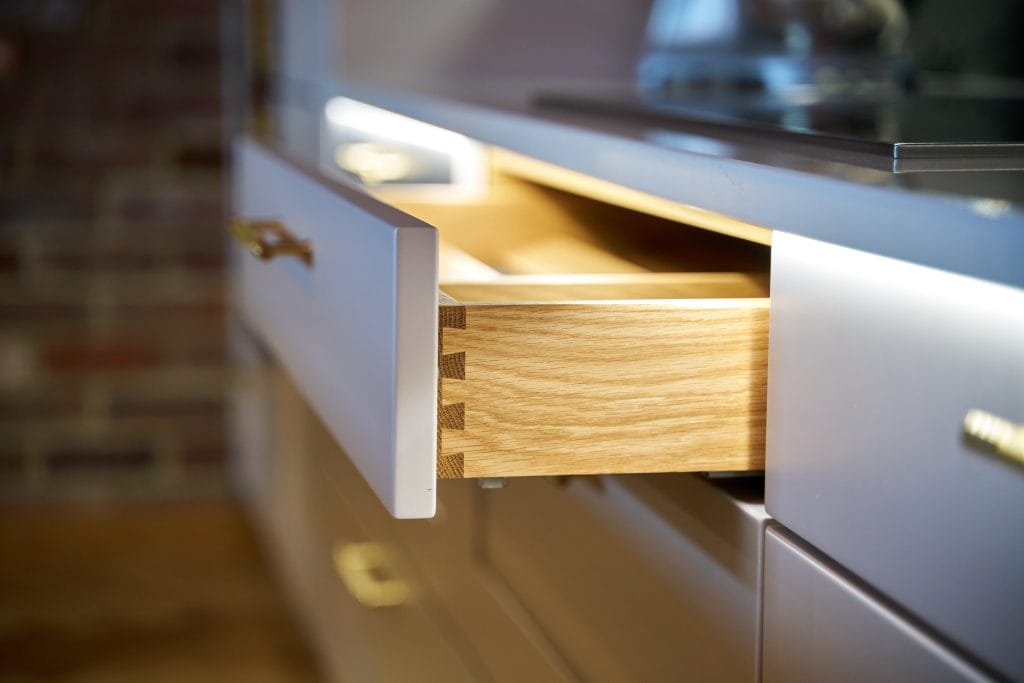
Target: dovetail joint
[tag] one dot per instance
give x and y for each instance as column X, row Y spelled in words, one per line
column 453, row 416
column 453, row 365
column 452, row 466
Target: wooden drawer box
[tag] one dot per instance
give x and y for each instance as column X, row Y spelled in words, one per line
column 525, row 335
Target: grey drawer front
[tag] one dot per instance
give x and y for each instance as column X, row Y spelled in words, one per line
column 634, row 578
column 874, row 363
column 820, row 627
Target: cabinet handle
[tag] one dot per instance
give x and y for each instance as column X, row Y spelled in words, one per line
column 266, row 239
column 365, row 569
column 1001, row 436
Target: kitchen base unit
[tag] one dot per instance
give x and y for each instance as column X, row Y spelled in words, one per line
column 549, row 579
column 821, row 626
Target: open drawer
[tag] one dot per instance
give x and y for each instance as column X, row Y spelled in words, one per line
column 531, row 332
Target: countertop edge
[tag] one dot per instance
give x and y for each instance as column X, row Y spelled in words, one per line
column 973, row 236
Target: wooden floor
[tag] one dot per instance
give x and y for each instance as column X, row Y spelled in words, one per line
column 141, row 592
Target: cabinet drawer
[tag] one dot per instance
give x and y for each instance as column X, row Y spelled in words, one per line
column 377, row 620
column 443, row 552
column 875, row 365
column 818, row 626
column 536, row 343
column 636, row 578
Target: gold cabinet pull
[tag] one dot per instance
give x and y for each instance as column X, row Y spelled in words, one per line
column 266, row 239
column 1001, row 436
column 365, row 569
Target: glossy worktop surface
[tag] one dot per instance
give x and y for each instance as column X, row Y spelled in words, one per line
column 961, row 216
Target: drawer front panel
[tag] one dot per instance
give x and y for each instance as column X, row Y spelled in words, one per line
column 634, row 578
column 444, row 553
column 621, row 372
column 357, row 328
column 378, row 621
column 874, row 365
column 820, row 627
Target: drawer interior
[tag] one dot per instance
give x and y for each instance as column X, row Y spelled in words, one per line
column 581, row 337
column 522, row 241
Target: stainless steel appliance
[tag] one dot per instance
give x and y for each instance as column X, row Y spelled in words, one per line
column 877, row 77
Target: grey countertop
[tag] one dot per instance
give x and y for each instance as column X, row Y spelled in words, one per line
column 965, row 221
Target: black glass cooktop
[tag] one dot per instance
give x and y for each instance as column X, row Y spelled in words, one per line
column 906, row 127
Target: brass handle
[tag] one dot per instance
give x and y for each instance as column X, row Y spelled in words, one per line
column 365, row 570
column 266, row 239
column 1002, row 436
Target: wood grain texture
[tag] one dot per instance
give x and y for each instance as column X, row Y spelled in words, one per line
column 522, row 227
column 550, row 175
column 606, row 287
column 586, row 388
column 637, row 364
column 452, row 366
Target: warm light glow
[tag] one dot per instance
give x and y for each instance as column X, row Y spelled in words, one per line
column 550, row 175
column 373, row 163
column 466, row 156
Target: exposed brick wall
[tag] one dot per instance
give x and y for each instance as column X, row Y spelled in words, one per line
column 112, row 362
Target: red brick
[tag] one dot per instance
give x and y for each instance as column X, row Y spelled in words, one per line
column 208, row 259
column 11, row 465
column 14, row 104
column 44, row 54
column 10, row 56
column 40, row 405
column 202, row 308
column 116, row 118
column 45, row 204
column 205, row 455
column 178, row 407
column 37, row 312
column 71, row 459
column 194, row 53
column 158, row 10
column 206, row 356
column 185, row 210
column 99, row 357
column 200, row 156
column 8, row 262
column 98, row 260
column 95, row 151
column 170, row 106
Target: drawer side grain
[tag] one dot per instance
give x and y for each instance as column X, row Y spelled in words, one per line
column 606, row 388
column 451, row 366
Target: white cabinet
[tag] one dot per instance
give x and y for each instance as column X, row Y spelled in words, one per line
column 636, row 578
column 874, row 364
column 820, row 626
